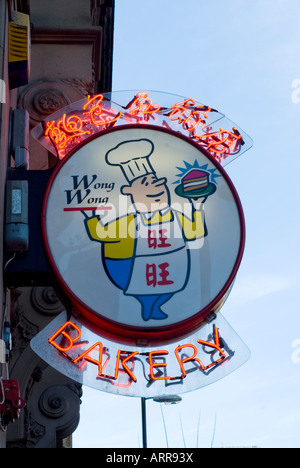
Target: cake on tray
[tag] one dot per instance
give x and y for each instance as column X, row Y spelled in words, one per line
column 194, row 181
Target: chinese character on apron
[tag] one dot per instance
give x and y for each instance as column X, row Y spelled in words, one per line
column 161, row 262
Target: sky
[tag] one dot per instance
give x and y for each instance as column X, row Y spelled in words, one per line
column 243, row 59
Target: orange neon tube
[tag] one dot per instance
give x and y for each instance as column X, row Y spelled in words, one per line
column 157, row 364
column 142, row 105
column 86, row 356
column 61, row 331
column 123, row 362
column 187, row 359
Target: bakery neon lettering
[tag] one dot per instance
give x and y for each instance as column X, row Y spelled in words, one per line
column 187, row 359
column 67, row 336
column 113, row 379
column 87, row 357
column 215, row 345
column 67, row 129
column 65, row 126
column 180, row 109
column 141, row 106
column 66, row 339
column 98, row 362
column 154, row 364
column 95, row 117
column 70, row 326
column 221, row 142
column 189, row 115
column 125, row 367
column 96, row 111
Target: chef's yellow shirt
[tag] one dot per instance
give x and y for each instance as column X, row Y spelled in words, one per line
column 119, row 235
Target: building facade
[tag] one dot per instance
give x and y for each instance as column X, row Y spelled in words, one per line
column 51, row 54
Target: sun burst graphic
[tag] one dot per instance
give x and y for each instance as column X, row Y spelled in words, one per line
column 188, row 167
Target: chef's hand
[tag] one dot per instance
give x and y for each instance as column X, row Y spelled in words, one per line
column 198, row 204
column 88, row 216
column 99, row 214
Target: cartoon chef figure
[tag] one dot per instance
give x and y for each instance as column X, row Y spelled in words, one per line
column 145, row 253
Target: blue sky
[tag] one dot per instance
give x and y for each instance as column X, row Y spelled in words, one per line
column 242, row 59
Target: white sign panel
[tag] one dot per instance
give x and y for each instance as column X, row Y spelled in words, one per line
column 145, row 233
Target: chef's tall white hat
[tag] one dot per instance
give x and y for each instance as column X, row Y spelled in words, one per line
column 133, row 158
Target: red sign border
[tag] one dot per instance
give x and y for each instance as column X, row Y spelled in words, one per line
column 128, row 333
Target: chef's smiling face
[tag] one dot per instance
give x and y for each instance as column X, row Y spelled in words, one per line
column 148, row 193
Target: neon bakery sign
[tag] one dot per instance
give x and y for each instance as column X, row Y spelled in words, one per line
column 186, row 113
column 206, row 126
column 145, row 233
column 124, row 361
column 204, row 357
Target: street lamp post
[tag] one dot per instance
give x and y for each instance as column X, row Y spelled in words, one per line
column 167, row 399
column 144, row 422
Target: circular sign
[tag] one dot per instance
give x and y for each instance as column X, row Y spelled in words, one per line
column 145, row 233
